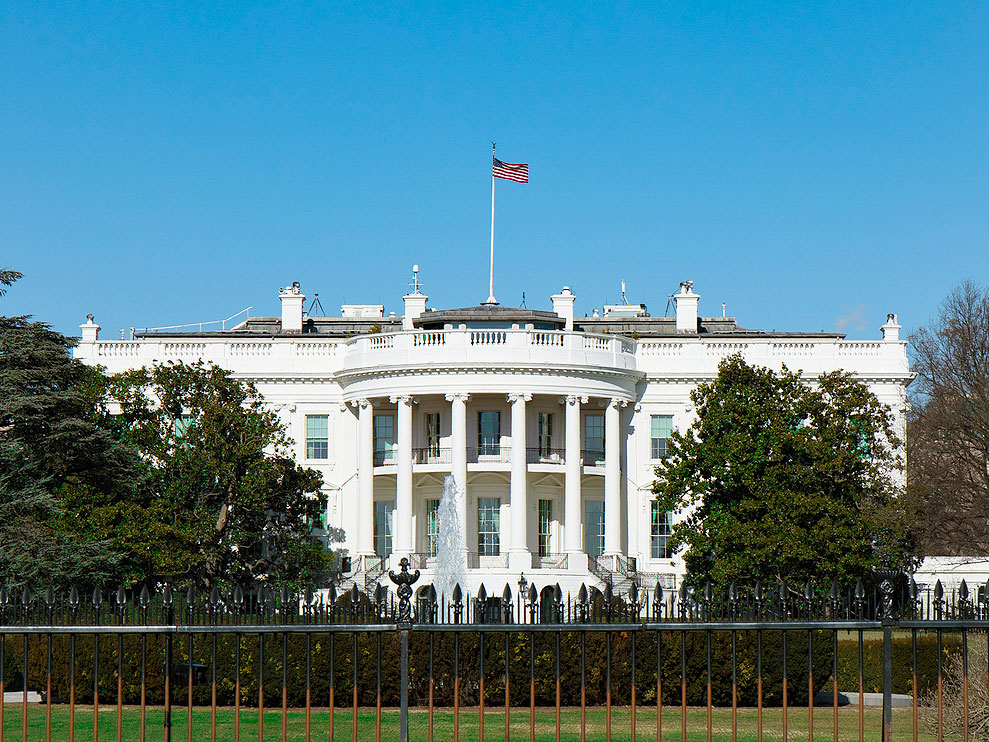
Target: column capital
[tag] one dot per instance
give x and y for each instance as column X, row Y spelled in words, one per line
column 454, row 396
column 617, row 402
column 518, row 397
column 403, row 399
column 573, row 399
column 360, row 403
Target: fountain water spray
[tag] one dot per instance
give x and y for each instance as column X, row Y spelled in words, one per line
column 451, row 548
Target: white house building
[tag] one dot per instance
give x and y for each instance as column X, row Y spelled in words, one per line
column 550, row 424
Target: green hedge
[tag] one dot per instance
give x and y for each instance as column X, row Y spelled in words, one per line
column 494, row 665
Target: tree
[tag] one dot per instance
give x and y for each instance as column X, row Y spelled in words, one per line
column 222, row 501
column 948, row 429
column 782, row 478
column 7, row 279
column 51, row 443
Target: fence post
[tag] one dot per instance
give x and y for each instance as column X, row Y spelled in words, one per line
column 404, row 581
column 889, row 617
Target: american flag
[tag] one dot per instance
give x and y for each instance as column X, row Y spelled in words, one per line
column 518, row 172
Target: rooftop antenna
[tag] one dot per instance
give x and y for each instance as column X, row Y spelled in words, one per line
column 522, row 305
column 316, row 303
column 723, row 314
column 415, row 280
column 624, row 300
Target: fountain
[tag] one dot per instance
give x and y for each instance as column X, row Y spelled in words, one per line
column 451, row 548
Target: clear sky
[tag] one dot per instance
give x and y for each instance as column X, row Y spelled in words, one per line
column 812, row 165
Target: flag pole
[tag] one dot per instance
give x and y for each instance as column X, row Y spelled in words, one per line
column 491, row 297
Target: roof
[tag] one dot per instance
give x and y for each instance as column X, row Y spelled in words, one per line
column 487, row 313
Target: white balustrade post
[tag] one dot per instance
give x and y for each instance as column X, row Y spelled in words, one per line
column 403, row 483
column 572, row 515
column 365, row 478
column 612, row 478
column 458, row 454
column 519, row 555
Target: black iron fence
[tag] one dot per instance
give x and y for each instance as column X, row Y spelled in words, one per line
column 323, row 664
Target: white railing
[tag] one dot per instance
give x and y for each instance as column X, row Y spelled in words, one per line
column 250, row 350
column 118, row 349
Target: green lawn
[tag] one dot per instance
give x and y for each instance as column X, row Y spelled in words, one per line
column 443, row 724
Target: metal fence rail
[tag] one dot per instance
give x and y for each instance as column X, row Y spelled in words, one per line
column 326, row 657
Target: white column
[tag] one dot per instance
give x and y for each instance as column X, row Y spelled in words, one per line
column 519, row 555
column 612, row 478
column 458, row 454
column 403, row 485
column 365, row 478
column 572, row 516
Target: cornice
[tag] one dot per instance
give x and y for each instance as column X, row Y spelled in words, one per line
column 349, row 376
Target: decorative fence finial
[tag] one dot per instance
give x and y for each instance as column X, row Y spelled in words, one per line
column 404, row 580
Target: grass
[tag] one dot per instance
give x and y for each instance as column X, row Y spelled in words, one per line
column 494, row 728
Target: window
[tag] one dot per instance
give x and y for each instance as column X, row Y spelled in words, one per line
column 489, row 433
column 594, row 528
column 432, row 526
column 661, row 427
column 317, row 437
column 433, row 434
column 545, row 434
column 489, row 526
column 180, row 428
column 594, row 438
column 661, row 528
column 384, row 439
column 382, row 528
column 545, row 526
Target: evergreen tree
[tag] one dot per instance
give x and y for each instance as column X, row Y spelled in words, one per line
column 783, row 477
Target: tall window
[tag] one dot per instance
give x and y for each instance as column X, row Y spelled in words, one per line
column 384, row 439
column 545, row 434
column 489, row 526
column 661, row 528
column 432, row 526
column 489, row 433
column 317, row 437
column 180, row 428
column 383, row 528
column 594, row 438
column 661, row 427
column 594, row 528
column 545, row 526
column 433, row 434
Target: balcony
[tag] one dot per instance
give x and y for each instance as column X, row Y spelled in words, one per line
column 432, row 455
column 550, row 561
column 386, row 457
column 490, row 454
column 592, row 456
column 476, row 560
column 544, row 455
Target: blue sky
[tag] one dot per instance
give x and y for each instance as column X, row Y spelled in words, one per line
column 811, row 165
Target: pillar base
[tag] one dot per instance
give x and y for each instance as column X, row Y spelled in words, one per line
column 520, row 560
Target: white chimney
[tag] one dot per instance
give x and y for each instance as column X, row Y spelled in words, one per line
column 415, row 302
column 292, row 303
column 90, row 330
column 563, row 306
column 686, row 307
column 891, row 330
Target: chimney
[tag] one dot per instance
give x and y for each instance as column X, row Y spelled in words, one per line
column 415, row 302
column 891, row 330
column 563, row 306
column 292, row 301
column 686, row 307
column 90, row 330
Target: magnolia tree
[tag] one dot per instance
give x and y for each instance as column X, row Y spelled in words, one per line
column 783, row 477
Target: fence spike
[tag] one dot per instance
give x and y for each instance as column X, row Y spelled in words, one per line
column 145, row 596
column 608, row 594
column 809, row 590
column 4, row 598
column 938, row 591
column 633, row 594
column 533, row 594
column 558, row 593
column 214, row 597
column 582, row 593
column 73, row 597
column 963, row 591
column 49, row 597
column 190, row 597
column 708, row 592
column 332, row 593
column 482, row 594
column 657, row 593
column 913, row 590
column 859, row 590
column 835, row 591
column 506, row 594
column 355, row 596
column 26, row 596
column 458, row 594
column 238, row 595
column 759, row 592
column 784, row 592
column 121, row 596
column 97, row 597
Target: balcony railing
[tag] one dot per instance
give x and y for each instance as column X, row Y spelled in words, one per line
column 476, row 560
column 385, row 457
column 431, row 455
column 542, row 455
column 422, row 560
column 491, row 454
column 550, row 561
column 592, row 457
